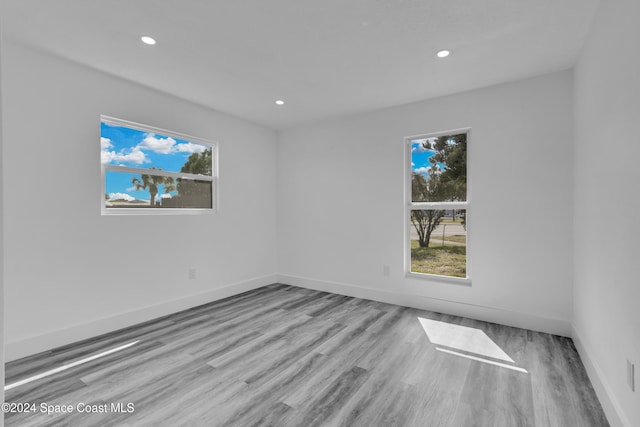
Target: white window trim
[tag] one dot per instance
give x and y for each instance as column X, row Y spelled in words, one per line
column 410, row 205
column 161, row 211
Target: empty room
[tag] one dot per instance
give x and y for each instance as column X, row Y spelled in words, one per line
column 329, row 213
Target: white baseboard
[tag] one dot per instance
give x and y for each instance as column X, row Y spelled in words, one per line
column 32, row 345
column 36, row 344
column 610, row 405
column 487, row 314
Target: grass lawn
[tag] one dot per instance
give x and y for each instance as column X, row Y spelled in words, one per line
column 447, row 260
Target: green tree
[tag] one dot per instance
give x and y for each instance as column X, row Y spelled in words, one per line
column 451, row 150
column 422, row 190
column 152, row 182
column 199, row 163
column 195, row 193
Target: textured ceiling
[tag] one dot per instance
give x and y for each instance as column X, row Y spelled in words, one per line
column 325, row 58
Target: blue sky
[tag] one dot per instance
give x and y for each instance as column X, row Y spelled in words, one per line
column 420, row 158
column 134, row 148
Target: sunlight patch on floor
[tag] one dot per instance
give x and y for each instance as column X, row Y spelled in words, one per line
column 464, row 341
column 69, row 365
column 479, row 359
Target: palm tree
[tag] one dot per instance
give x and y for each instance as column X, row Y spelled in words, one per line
column 152, row 182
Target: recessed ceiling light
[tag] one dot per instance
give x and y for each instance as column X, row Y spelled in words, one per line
column 148, row 40
column 279, row 102
column 443, row 53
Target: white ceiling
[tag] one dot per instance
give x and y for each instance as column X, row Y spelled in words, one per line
column 325, row 58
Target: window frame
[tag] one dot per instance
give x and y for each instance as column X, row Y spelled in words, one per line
column 410, row 205
column 128, row 169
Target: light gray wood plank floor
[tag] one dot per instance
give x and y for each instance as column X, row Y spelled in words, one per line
column 287, row 356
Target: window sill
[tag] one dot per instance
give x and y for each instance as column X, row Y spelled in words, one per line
column 156, row 211
column 464, row 281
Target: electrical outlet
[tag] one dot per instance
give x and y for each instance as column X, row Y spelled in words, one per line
column 192, row 274
column 631, row 375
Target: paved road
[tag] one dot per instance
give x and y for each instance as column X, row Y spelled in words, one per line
column 449, row 230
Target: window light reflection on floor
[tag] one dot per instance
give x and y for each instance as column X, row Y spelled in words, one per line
column 69, row 365
column 463, row 341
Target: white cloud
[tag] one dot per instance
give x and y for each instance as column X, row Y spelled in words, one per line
column 169, row 145
column 121, row 196
column 106, row 156
column 418, row 148
column 190, row 147
column 425, row 170
column 105, row 143
column 418, row 145
column 159, row 145
column 134, row 156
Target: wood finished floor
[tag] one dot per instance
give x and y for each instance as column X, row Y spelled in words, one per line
column 286, row 356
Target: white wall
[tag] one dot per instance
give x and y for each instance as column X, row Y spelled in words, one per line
column 1, row 242
column 71, row 273
column 607, row 205
column 341, row 211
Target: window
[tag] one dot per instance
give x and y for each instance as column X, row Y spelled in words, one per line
column 437, row 205
column 153, row 171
